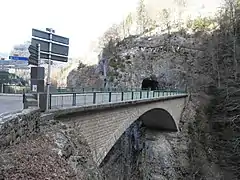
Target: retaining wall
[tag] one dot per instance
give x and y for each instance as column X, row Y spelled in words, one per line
column 18, row 126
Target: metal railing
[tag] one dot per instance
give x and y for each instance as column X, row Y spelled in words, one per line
column 90, row 98
column 13, row 89
column 89, row 89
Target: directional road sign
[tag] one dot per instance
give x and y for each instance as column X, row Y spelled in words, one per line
column 54, row 46
column 33, row 50
column 18, row 58
column 33, row 58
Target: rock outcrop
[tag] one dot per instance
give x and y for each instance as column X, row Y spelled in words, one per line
column 137, row 57
column 84, row 76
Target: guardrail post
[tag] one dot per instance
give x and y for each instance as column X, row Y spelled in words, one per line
column 132, row 95
column 163, row 93
column 140, row 94
column 148, row 94
column 50, row 101
column 153, row 93
column 74, row 103
column 25, row 105
column 94, row 97
column 38, row 100
column 122, row 95
column 109, row 96
column 83, row 90
column 158, row 93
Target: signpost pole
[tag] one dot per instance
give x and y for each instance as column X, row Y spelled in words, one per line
column 38, row 64
column 39, row 54
column 49, row 70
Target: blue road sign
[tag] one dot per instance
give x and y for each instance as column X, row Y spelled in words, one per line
column 18, row 58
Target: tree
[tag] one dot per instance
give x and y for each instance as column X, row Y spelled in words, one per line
column 165, row 19
column 129, row 23
column 181, row 5
column 144, row 22
column 112, row 33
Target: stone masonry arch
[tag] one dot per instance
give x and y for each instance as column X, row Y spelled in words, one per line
column 102, row 128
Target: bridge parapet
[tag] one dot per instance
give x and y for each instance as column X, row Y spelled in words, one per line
column 103, row 124
column 68, row 100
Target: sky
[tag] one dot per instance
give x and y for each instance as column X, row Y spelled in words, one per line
column 80, row 20
column 83, row 21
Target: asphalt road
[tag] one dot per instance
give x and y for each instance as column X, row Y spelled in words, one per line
column 10, row 103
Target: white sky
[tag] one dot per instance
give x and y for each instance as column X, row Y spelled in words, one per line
column 80, row 20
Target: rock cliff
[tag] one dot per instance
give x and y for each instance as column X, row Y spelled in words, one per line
column 134, row 58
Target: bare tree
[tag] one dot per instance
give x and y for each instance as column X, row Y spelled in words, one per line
column 144, row 22
column 129, row 23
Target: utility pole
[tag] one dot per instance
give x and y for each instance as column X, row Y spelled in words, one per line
column 105, row 73
column 104, row 62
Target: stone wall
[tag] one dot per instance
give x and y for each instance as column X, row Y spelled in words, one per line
column 18, row 126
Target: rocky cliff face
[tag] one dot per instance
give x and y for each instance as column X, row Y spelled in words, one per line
column 84, row 76
column 137, row 57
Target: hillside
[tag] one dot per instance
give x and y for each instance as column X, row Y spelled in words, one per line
column 203, row 56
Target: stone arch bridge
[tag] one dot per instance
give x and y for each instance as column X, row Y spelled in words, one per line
column 103, row 125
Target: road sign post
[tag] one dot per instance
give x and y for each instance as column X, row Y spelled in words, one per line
column 39, row 57
column 49, row 69
column 53, row 47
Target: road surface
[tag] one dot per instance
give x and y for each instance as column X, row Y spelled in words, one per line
column 10, row 103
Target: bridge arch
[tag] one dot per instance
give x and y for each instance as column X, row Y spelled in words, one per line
column 159, row 119
column 103, row 126
column 155, row 118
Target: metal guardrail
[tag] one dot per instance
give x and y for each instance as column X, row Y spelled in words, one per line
column 12, row 89
column 87, row 89
column 15, row 89
column 83, row 99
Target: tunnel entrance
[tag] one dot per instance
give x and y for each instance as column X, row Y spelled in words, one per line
column 149, row 84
